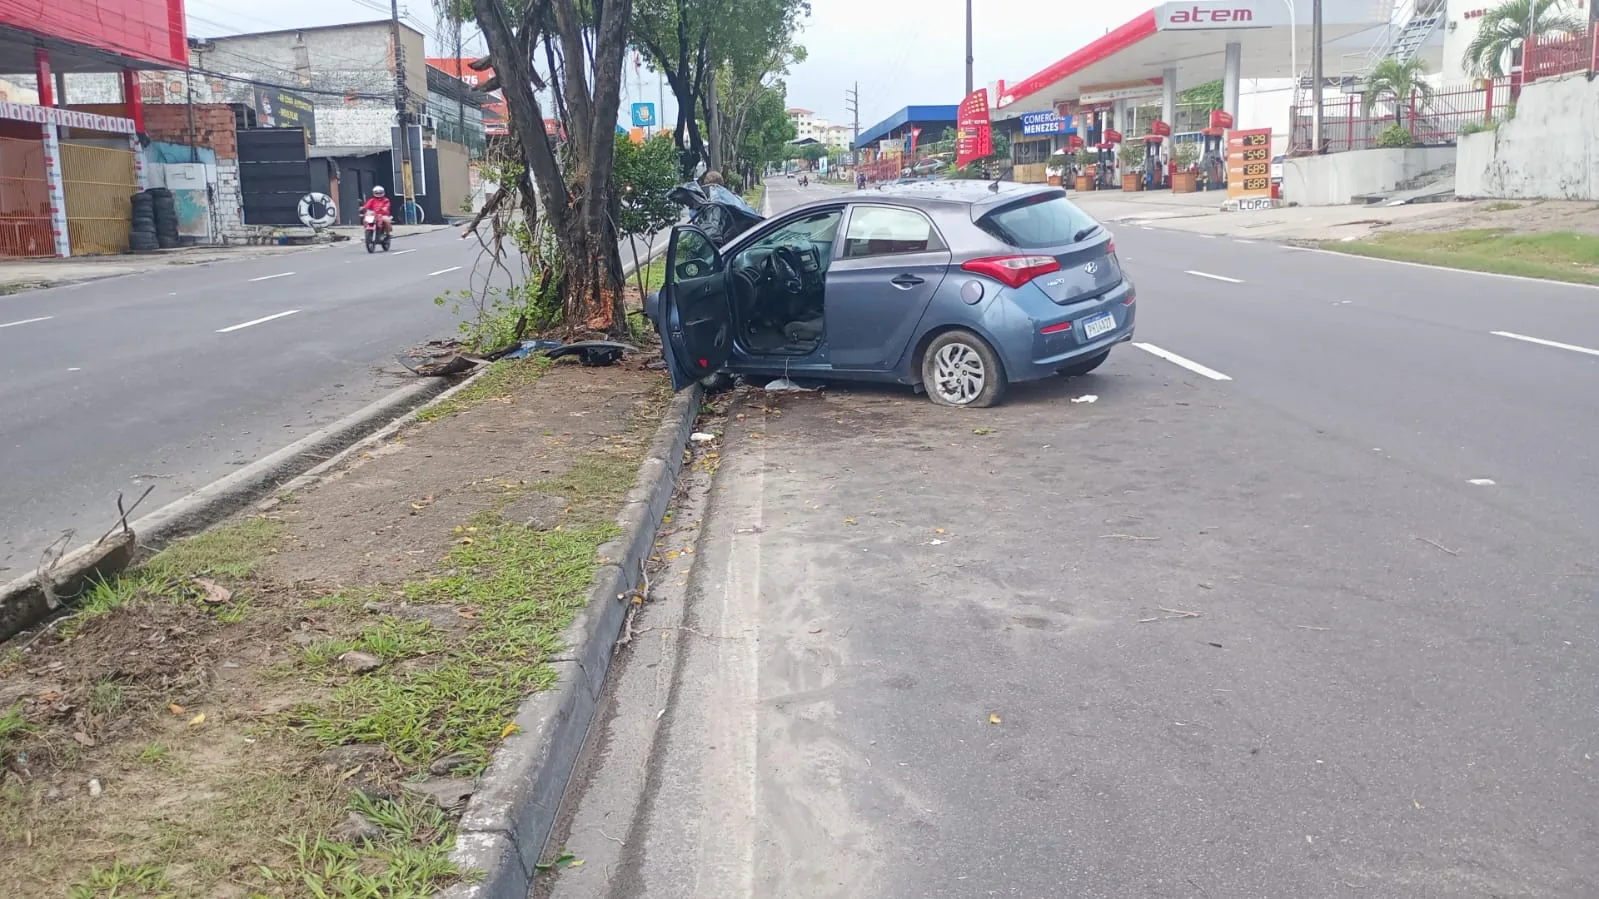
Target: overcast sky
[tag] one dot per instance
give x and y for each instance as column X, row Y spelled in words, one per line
column 901, row 51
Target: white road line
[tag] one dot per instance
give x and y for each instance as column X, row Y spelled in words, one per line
column 1241, row 240
column 255, row 321
column 1189, row 364
column 270, row 277
column 1538, row 340
column 403, row 252
column 445, row 271
column 1206, row 236
column 27, row 321
column 1212, row 277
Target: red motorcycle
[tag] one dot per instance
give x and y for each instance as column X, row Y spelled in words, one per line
column 377, row 231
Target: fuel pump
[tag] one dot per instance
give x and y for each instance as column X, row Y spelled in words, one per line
column 1107, row 159
column 1155, row 156
column 1213, row 156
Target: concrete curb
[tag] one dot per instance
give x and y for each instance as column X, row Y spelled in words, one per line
column 511, row 815
column 22, row 601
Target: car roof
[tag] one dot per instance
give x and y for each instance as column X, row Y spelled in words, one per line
column 980, row 196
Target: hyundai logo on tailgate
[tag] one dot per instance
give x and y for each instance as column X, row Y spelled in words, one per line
column 1091, row 267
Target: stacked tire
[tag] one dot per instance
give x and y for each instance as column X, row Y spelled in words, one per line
column 144, row 237
column 166, row 217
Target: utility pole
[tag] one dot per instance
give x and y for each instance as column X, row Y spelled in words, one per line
column 408, row 185
column 1315, row 77
column 968, row 48
column 852, row 102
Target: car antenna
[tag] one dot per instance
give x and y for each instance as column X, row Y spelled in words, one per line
column 995, row 186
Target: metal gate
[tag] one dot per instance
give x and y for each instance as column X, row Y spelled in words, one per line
column 97, row 182
column 24, row 200
column 274, row 174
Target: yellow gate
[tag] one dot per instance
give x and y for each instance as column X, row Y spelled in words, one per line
column 24, row 200
column 99, row 182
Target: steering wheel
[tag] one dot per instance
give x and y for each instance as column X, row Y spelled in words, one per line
column 785, row 267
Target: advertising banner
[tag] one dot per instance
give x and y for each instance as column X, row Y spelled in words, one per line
column 974, row 134
column 643, row 115
column 1051, row 122
column 276, row 108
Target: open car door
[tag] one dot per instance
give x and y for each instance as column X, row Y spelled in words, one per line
column 696, row 318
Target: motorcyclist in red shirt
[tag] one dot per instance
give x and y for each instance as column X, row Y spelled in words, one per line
column 379, row 203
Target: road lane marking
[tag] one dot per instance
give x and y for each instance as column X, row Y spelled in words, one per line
column 1206, row 236
column 1212, row 277
column 27, row 321
column 255, row 322
column 403, row 252
column 1538, row 340
column 445, row 271
column 270, row 277
column 1241, row 240
column 1481, row 482
column 1189, row 364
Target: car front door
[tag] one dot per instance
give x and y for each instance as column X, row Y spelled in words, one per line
column 696, row 322
column 890, row 263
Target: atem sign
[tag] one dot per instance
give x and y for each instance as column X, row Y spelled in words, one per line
column 1199, row 16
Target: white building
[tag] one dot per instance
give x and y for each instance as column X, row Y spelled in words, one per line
column 808, row 126
column 837, row 137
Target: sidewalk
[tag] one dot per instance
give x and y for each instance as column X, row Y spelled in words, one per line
column 299, row 702
column 27, row 274
column 1201, row 213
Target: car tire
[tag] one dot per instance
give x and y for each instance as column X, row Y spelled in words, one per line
column 1085, row 366
column 961, row 369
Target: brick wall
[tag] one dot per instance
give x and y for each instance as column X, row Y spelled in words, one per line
column 213, row 126
column 228, row 203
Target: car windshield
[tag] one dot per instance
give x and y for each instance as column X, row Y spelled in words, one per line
column 1048, row 220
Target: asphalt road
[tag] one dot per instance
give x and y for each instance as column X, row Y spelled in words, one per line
column 176, row 377
column 1302, row 604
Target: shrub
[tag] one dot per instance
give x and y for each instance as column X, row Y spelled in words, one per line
column 1394, row 137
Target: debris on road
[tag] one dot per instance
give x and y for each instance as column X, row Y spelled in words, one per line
column 1086, row 398
column 1170, row 615
column 784, row 385
column 593, row 353
column 1436, row 545
column 1125, row 537
column 701, row 437
column 436, row 359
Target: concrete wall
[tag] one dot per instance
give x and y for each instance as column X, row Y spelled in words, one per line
column 1337, row 178
column 1548, row 151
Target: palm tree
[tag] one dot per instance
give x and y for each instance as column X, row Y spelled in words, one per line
column 1504, row 29
column 1392, row 79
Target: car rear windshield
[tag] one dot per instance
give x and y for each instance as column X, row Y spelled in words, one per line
column 1048, row 220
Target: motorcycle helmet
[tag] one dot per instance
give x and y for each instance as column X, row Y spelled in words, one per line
column 377, row 191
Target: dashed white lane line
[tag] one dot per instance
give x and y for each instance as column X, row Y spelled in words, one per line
column 27, row 321
column 1538, row 340
column 403, row 252
column 1189, row 364
column 255, row 322
column 1213, row 277
column 1206, row 236
column 270, row 277
column 1241, row 240
column 445, row 271
column 1481, row 482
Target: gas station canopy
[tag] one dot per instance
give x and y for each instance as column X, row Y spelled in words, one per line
column 1191, row 38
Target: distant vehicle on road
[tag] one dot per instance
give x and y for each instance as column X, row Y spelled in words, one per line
column 961, row 287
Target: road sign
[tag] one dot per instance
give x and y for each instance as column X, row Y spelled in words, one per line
column 1249, row 164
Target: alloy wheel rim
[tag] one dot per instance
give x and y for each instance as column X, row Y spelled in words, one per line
column 958, row 374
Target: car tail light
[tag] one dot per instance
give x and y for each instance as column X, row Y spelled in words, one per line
column 1056, row 328
column 1131, row 298
column 1013, row 271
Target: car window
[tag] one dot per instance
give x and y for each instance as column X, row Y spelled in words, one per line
column 693, row 254
column 815, row 230
column 1049, row 220
column 883, row 230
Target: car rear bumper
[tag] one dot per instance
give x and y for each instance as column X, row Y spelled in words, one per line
column 1052, row 352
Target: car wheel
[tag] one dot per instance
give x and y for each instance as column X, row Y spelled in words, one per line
column 960, row 369
column 1085, row 366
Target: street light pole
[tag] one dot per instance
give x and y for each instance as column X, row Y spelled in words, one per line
column 968, row 47
column 1293, row 69
column 1315, row 77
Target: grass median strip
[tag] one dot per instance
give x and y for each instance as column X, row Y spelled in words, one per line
column 1555, row 255
column 229, row 718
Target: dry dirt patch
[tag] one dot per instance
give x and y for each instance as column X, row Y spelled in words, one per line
column 296, row 703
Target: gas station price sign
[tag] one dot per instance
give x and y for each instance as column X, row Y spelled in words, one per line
column 1249, row 164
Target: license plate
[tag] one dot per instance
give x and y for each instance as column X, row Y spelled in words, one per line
column 1103, row 323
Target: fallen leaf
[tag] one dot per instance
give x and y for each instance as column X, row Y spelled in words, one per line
column 508, row 730
column 466, row 541
column 993, row 719
column 215, row 593
column 938, row 530
column 83, row 738
column 982, row 432
column 849, row 521
column 197, row 720
column 176, row 709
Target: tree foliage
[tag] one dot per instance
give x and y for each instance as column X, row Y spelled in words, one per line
column 1208, row 94
column 767, row 131
column 1397, row 81
column 1504, row 29
column 644, row 173
column 694, row 43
